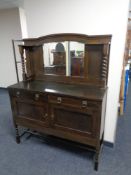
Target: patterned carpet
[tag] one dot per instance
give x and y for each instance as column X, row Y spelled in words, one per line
column 36, row 157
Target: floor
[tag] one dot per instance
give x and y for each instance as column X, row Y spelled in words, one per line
column 35, row 156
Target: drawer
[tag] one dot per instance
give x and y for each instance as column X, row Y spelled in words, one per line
column 70, row 101
column 29, row 95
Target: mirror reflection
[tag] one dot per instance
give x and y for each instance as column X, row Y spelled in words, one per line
column 54, row 58
column 77, row 58
column 64, row 58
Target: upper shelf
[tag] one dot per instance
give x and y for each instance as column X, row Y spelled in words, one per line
column 76, row 56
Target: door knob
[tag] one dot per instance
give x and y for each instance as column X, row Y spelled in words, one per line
column 59, row 100
column 37, row 96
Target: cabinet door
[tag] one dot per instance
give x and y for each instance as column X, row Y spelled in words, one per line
column 74, row 120
column 31, row 112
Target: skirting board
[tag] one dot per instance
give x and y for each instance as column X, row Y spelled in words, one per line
column 109, row 144
column 4, row 88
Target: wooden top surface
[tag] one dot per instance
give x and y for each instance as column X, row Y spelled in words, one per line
column 78, row 91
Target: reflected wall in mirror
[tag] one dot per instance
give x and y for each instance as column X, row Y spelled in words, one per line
column 64, row 58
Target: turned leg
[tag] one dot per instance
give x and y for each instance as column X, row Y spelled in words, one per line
column 17, row 134
column 97, row 154
column 96, row 162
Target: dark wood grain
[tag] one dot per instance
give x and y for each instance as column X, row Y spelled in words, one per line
column 69, row 107
column 83, row 91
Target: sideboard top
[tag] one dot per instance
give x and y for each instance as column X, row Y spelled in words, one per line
column 79, row 91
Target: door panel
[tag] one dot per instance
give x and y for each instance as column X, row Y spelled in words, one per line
column 73, row 120
column 32, row 111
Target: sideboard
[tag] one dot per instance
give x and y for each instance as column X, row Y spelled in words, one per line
column 64, row 88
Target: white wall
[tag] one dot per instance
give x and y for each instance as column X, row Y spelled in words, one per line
column 9, row 29
column 23, row 23
column 87, row 17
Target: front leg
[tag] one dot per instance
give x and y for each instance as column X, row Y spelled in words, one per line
column 96, row 162
column 17, row 134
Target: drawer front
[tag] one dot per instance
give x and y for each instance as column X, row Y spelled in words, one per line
column 74, row 102
column 29, row 96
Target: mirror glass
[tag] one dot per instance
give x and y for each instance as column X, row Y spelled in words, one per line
column 54, row 58
column 64, row 58
column 77, row 58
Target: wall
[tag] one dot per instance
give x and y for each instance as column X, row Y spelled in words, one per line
column 9, row 29
column 23, row 22
column 92, row 18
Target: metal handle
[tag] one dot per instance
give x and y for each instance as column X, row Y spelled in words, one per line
column 37, row 96
column 45, row 116
column 18, row 94
column 84, row 103
column 59, row 100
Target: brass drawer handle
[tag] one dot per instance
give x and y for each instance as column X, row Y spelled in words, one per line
column 84, row 103
column 17, row 94
column 37, row 96
column 45, row 116
column 59, row 100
